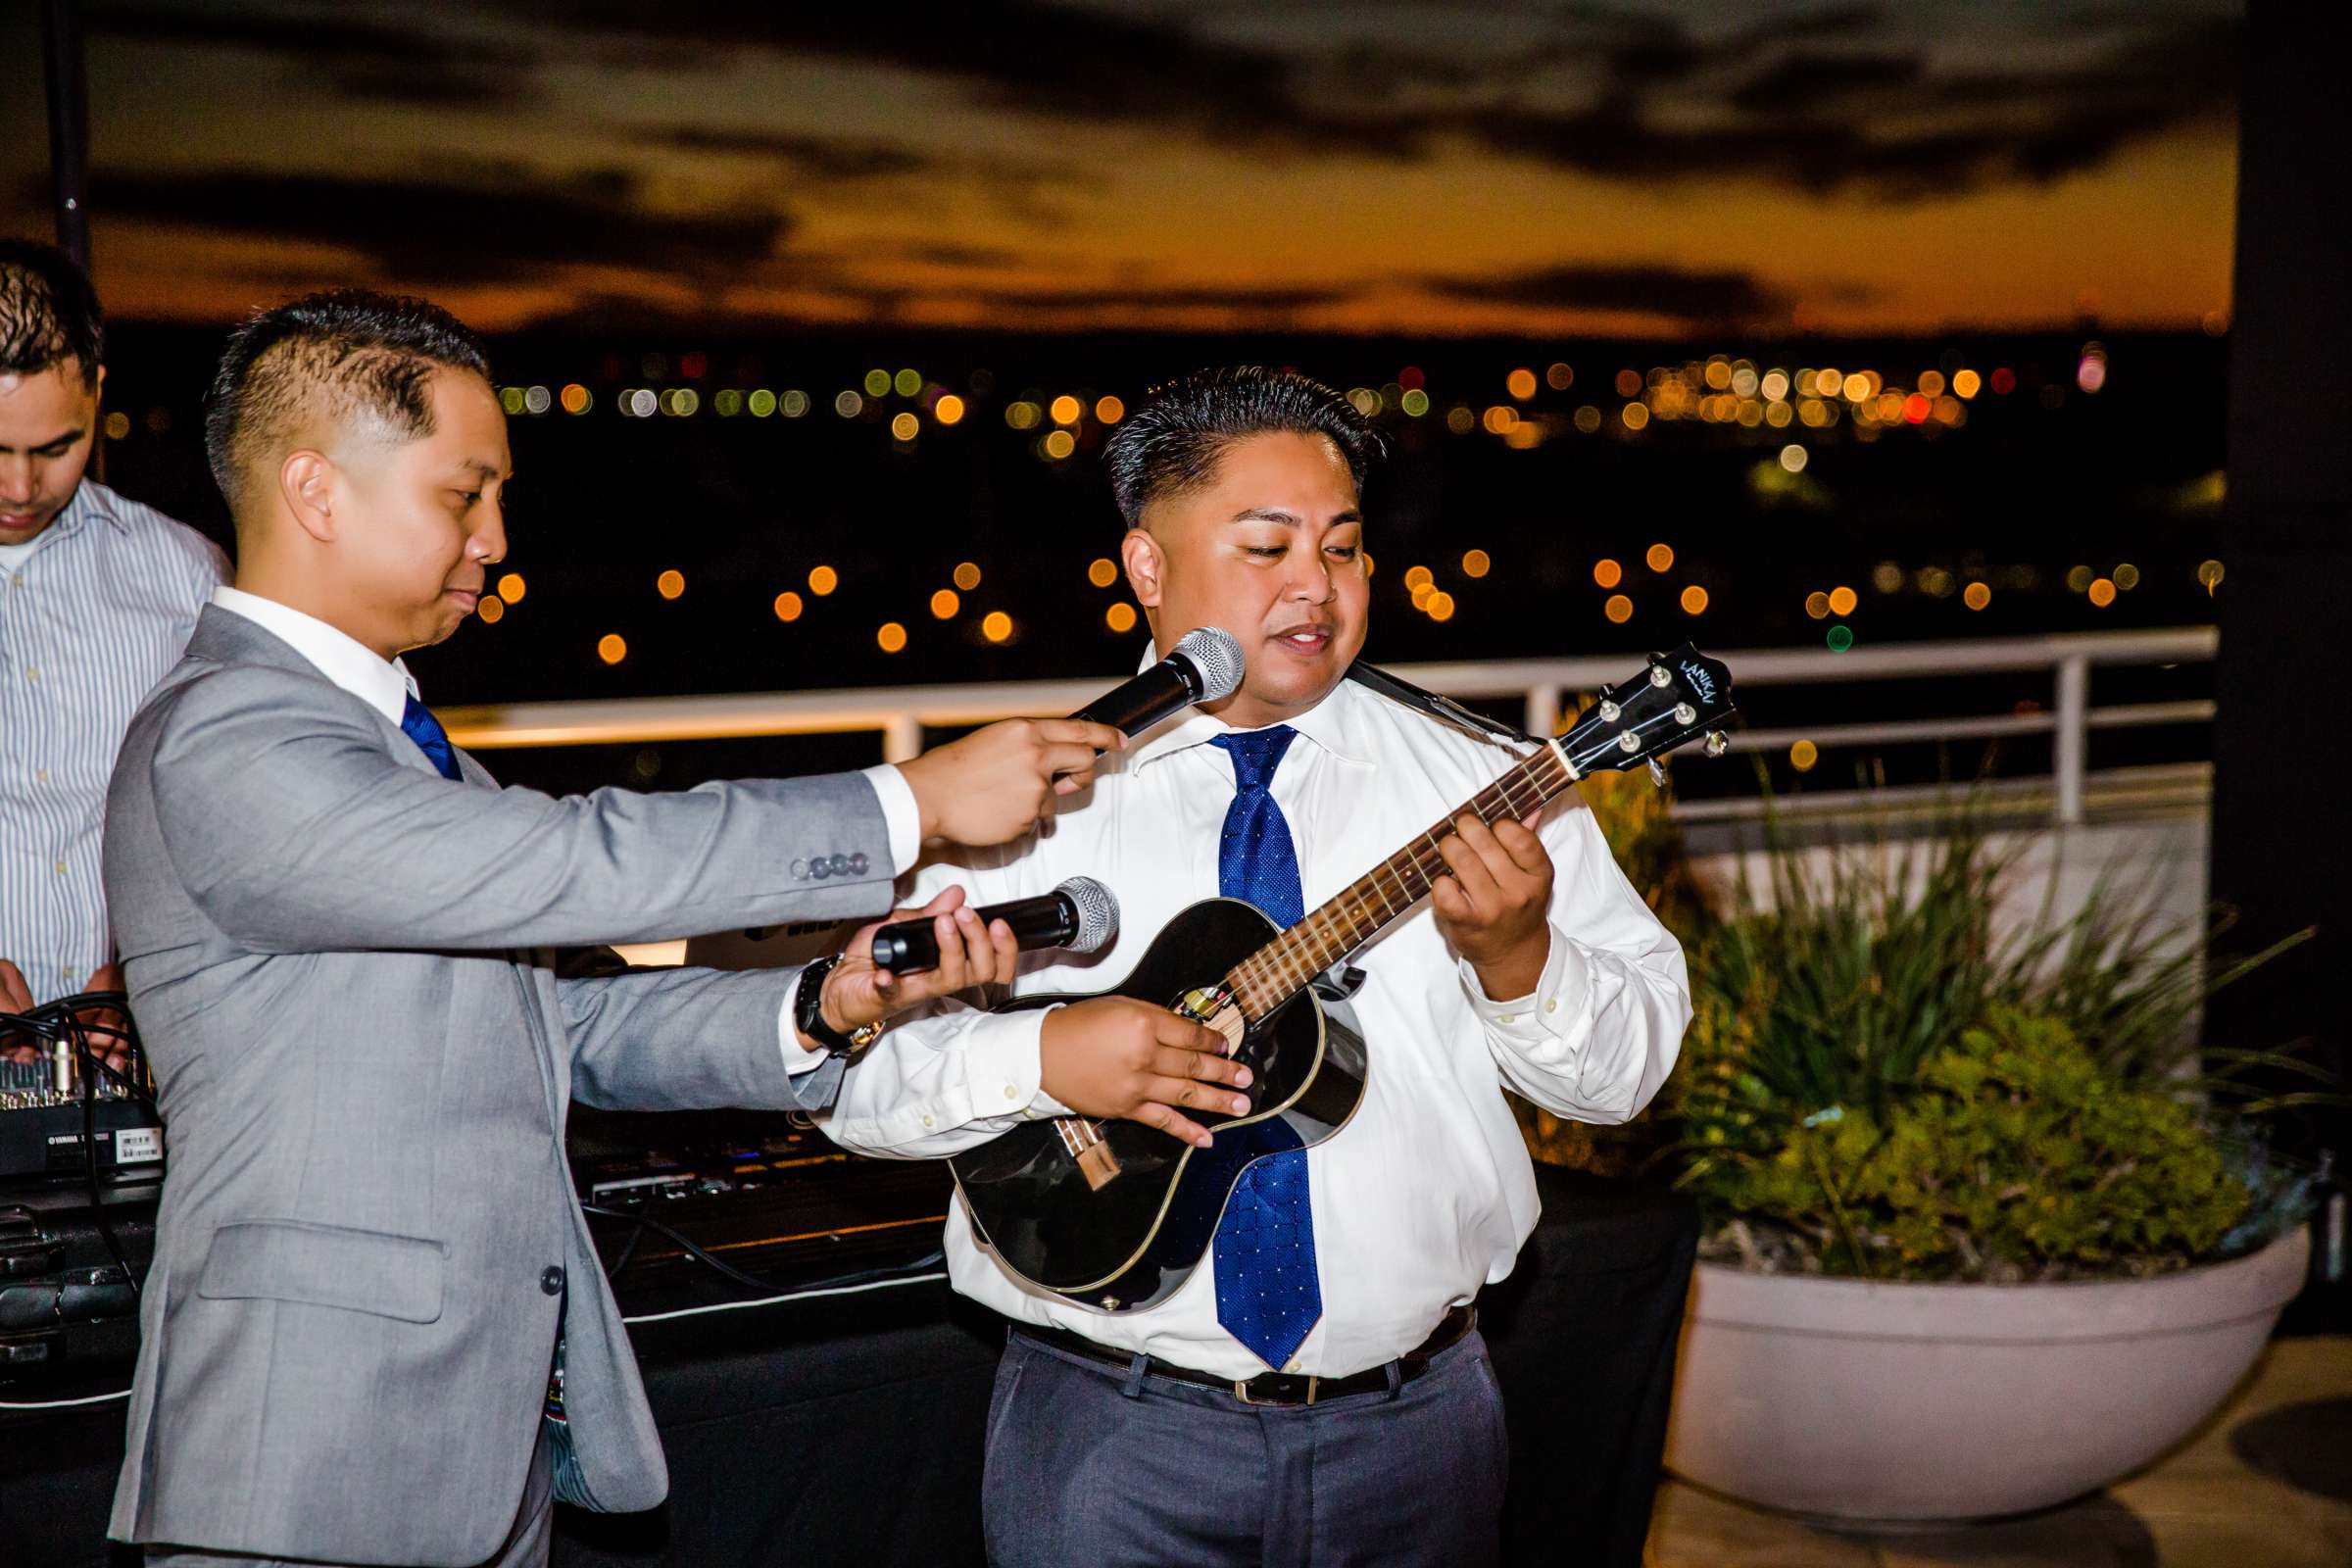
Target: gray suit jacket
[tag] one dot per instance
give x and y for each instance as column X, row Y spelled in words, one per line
column 369, row 1237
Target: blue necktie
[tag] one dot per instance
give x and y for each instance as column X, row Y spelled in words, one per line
column 416, row 721
column 1268, row 1294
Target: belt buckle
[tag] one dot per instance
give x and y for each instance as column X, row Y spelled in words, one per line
column 1240, row 1391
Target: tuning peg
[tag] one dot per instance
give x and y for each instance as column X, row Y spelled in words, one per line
column 1657, row 773
column 1608, row 711
column 1718, row 743
column 1685, row 713
column 1661, row 676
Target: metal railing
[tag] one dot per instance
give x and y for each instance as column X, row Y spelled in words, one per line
column 900, row 714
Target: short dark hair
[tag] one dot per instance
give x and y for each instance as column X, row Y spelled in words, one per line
column 362, row 352
column 1173, row 442
column 48, row 312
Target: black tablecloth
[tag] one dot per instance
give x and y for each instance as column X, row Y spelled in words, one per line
column 848, row 1429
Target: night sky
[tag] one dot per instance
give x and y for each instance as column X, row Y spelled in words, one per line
column 1545, row 169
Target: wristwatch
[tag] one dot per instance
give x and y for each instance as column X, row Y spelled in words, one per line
column 809, row 1013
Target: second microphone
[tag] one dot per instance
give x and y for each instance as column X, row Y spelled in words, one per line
column 1080, row 915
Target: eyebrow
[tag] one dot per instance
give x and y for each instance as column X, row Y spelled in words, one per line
column 476, row 467
column 1291, row 520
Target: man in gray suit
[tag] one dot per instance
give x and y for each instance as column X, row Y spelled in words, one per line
column 337, row 934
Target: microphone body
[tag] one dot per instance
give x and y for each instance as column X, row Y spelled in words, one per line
column 1205, row 666
column 1081, row 914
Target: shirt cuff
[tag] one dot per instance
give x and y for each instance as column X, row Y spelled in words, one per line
column 1545, row 1012
column 798, row 1058
column 1003, row 1069
column 900, row 812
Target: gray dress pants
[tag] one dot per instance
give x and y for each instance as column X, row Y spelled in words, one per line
column 1089, row 1466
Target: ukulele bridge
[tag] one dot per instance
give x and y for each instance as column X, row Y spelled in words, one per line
column 1084, row 1143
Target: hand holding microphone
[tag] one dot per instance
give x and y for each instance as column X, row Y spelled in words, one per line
column 948, row 947
column 993, row 785
column 1080, row 915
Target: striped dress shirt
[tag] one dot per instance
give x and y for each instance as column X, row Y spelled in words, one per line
column 97, row 609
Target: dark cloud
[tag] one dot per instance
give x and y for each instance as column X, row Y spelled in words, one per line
column 360, row 58
column 1698, row 296
column 1829, row 100
column 479, row 223
column 978, row 258
column 1805, row 80
column 1271, row 301
column 819, row 158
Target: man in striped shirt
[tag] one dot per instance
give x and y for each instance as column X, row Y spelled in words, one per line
column 98, row 595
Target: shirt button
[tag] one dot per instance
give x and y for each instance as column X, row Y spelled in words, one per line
column 1507, row 1017
column 1011, row 1093
column 60, row 869
column 42, row 775
column 551, row 1281
column 929, row 1122
column 1552, row 1005
column 33, row 675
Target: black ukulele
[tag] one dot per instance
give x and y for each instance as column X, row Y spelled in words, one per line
column 1114, row 1214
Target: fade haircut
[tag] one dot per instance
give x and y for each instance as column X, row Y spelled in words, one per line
column 345, row 354
column 48, row 312
column 1173, row 443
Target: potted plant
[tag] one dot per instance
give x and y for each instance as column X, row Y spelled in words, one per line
column 1981, row 1234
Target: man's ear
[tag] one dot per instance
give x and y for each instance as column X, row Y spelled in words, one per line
column 306, row 484
column 1140, row 553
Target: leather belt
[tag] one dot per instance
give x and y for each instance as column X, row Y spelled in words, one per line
column 1271, row 1388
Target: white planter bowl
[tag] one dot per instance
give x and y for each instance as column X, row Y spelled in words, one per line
column 1854, row 1402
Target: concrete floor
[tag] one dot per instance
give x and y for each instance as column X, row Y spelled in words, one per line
column 2266, row 1484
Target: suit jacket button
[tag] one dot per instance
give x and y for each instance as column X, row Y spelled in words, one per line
column 841, row 865
column 799, row 870
column 551, row 1282
column 858, row 864
column 819, row 867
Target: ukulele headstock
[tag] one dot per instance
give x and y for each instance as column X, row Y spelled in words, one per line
column 1681, row 696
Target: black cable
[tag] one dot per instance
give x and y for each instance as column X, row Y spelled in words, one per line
column 62, row 1021
column 90, row 1152
column 646, row 1222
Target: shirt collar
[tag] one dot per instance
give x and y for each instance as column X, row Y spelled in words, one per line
column 385, row 686
column 1334, row 725
column 90, row 498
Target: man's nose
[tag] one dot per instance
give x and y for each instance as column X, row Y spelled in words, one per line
column 1311, row 582
column 490, row 538
column 17, row 486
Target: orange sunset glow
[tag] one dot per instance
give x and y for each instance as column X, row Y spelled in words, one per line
column 1402, row 167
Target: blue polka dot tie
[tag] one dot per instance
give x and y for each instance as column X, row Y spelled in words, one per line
column 416, row 721
column 1269, row 1294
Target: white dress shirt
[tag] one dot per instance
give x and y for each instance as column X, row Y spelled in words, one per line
column 93, row 610
column 386, row 686
column 1428, row 1191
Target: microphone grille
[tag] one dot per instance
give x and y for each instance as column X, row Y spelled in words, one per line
column 1217, row 655
column 1098, row 913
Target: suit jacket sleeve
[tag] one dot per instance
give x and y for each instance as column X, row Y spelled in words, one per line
column 294, row 829
column 686, row 1040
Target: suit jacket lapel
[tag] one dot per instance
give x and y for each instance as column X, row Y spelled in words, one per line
column 225, row 637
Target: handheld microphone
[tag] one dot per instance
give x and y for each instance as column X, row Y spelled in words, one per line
column 1205, row 666
column 1080, row 915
